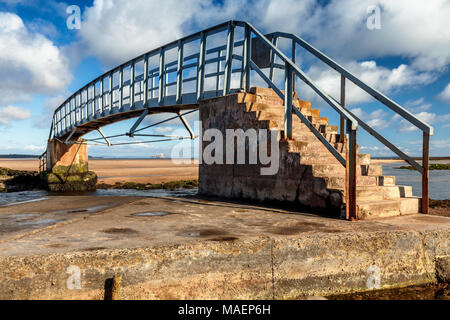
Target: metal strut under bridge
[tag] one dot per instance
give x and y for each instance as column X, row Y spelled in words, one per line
column 135, row 90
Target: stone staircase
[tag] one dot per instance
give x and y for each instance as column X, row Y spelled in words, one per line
column 309, row 174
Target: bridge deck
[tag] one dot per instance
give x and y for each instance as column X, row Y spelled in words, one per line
column 115, row 115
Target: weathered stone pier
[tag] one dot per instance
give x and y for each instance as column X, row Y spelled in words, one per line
column 67, row 167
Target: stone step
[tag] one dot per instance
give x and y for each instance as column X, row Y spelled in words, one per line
column 377, row 193
column 338, row 182
column 308, row 136
column 323, row 169
column 278, row 115
column 318, row 120
column 388, row 208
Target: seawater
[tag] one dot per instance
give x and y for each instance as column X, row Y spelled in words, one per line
column 439, row 180
column 12, row 198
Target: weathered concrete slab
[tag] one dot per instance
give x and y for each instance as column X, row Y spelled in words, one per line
column 194, row 248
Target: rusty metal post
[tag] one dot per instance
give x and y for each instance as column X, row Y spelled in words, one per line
column 288, row 102
column 351, row 174
column 342, row 123
column 425, row 177
column 293, row 60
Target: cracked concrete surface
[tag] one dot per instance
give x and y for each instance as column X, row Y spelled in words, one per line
column 199, row 248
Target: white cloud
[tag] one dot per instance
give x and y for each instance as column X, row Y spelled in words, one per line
column 116, row 31
column 445, row 94
column 417, row 105
column 12, row 113
column 440, row 144
column 427, row 117
column 163, row 130
column 403, row 32
column 376, row 119
column 32, row 147
column 383, row 79
column 29, row 62
column 50, row 104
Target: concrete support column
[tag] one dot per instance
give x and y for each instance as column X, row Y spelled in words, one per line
column 67, row 167
column 67, row 158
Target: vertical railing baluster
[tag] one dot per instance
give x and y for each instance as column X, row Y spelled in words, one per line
column 95, row 106
column 86, row 104
column 245, row 84
column 229, row 60
column 342, row 120
column 132, row 71
column 152, row 94
column 425, row 173
column 77, row 108
column 102, row 101
column 351, row 173
column 201, row 67
column 110, row 91
column 120, row 88
column 272, row 58
column 145, row 93
column 161, row 77
column 219, row 63
column 70, row 113
column 288, row 101
column 293, row 60
column 180, row 58
column 166, row 81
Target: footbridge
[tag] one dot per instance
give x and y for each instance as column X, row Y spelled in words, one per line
column 226, row 60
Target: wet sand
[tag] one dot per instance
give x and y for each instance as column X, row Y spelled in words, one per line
column 110, row 171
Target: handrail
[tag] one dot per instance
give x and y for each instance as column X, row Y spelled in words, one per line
column 151, row 89
column 43, row 162
column 291, row 70
column 305, row 78
column 426, row 128
column 373, row 92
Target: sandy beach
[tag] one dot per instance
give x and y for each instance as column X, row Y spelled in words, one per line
column 111, row 171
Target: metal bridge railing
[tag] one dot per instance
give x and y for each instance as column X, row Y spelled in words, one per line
column 43, row 162
column 103, row 97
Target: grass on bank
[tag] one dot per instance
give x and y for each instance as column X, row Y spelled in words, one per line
column 172, row 185
column 434, row 166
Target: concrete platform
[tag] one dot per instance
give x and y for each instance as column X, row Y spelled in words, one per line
column 202, row 249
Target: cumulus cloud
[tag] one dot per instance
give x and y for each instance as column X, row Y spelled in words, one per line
column 116, row 30
column 12, row 113
column 445, row 94
column 29, row 62
column 375, row 119
column 383, row 79
column 341, row 25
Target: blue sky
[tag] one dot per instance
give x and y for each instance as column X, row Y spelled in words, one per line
column 42, row 62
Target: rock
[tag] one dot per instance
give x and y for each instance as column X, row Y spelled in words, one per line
column 69, row 182
column 443, row 269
